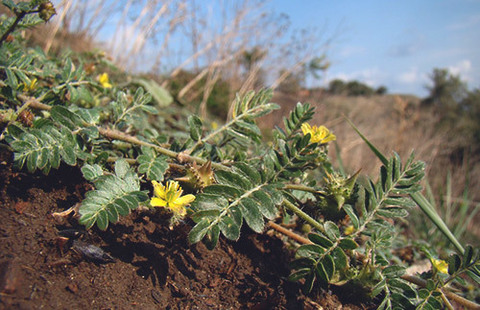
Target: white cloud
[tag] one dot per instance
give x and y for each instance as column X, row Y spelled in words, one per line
column 463, row 69
column 409, row 77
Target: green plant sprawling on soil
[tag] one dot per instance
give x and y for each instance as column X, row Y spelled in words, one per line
column 138, row 149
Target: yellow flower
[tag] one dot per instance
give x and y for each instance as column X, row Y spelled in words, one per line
column 318, row 134
column 170, row 197
column 349, row 230
column 30, row 87
column 440, row 265
column 103, row 79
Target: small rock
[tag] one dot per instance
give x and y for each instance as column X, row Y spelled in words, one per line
column 9, row 276
column 73, row 288
column 92, row 252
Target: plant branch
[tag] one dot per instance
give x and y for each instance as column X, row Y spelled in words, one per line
column 303, row 215
column 118, row 135
column 12, row 27
column 303, row 188
column 290, row 234
column 452, row 296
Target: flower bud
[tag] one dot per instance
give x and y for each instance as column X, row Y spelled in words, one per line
column 46, row 11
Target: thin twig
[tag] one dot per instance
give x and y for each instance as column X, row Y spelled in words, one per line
column 290, row 234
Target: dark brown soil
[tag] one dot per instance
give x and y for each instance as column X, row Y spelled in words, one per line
column 154, row 267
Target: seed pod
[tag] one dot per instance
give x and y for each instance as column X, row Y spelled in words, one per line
column 46, row 11
column 26, row 118
column 197, row 178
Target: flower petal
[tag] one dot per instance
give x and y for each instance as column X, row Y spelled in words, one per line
column 158, row 190
column 157, row 202
column 185, row 200
column 440, row 265
column 306, row 128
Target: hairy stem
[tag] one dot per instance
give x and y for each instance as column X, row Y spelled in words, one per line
column 303, row 188
column 303, row 215
column 12, row 27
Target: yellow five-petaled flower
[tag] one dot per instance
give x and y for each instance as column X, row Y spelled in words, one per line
column 318, row 134
column 103, row 79
column 170, row 197
column 440, row 265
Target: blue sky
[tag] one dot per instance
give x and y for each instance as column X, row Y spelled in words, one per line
column 394, row 43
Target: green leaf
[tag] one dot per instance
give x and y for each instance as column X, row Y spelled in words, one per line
column 198, row 231
column 267, row 203
column 153, row 167
column 232, row 179
column 351, row 213
column 91, row 172
column 309, row 280
column 41, row 148
column 348, row 244
column 454, row 263
column 227, row 191
column 340, row 258
column 11, row 79
column 393, row 271
column 209, row 202
column 325, row 269
column 251, row 213
column 302, row 263
column 249, row 171
column 205, row 214
column 114, row 195
column 229, row 228
column 331, row 230
column 211, row 238
column 318, row 239
column 160, row 94
column 195, row 125
column 392, row 212
column 379, row 287
column 310, row 250
column 299, row 274
column 121, row 168
column 9, row 4
column 467, row 256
